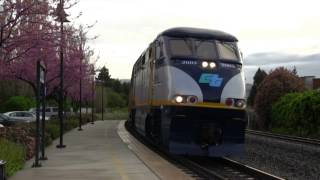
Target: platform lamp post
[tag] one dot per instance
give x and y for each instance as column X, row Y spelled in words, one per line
column 62, row 18
column 92, row 96
column 80, row 97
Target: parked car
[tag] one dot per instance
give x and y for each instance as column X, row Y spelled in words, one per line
column 1, row 126
column 50, row 111
column 6, row 121
column 46, row 117
column 22, row 116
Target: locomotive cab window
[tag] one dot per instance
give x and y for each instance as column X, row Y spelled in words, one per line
column 180, row 47
column 205, row 49
column 159, row 53
column 227, row 50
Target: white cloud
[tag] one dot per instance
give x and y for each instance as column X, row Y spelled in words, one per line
column 305, row 65
column 126, row 27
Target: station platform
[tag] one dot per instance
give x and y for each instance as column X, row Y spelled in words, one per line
column 104, row 150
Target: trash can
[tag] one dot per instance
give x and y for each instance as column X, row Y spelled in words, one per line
column 2, row 172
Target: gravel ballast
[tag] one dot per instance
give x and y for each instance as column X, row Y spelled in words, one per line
column 282, row 158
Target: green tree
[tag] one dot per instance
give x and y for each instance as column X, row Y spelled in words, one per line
column 257, row 79
column 125, row 91
column 104, row 75
column 114, row 100
column 18, row 103
column 278, row 83
column 294, row 70
column 116, row 93
column 116, row 85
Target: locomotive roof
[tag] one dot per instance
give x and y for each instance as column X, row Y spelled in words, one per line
column 198, row 33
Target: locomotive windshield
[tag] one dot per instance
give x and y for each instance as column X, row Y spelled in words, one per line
column 206, row 49
column 180, row 47
column 227, row 50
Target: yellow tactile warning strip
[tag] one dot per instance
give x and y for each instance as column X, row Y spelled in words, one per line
column 118, row 165
column 161, row 167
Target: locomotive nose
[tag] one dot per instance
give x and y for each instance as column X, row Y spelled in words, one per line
column 210, row 134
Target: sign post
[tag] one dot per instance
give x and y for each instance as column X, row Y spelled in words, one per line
column 2, row 170
column 40, row 77
column 43, row 122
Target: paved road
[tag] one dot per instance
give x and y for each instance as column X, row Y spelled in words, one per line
column 93, row 154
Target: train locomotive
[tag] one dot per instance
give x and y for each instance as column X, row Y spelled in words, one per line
column 187, row 93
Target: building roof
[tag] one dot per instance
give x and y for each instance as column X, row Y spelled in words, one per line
column 198, row 33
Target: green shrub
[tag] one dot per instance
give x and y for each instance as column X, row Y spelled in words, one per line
column 297, row 114
column 276, row 84
column 13, row 154
column 114, row 114
column 115, row 100
column 21, row 135
column 18, row 103
column 52, row 129
column 70, row 124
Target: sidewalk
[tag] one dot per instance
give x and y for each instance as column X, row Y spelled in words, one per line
column 93, row 154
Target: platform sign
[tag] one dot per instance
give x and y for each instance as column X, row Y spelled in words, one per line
column 42, row 70
column 41, row 75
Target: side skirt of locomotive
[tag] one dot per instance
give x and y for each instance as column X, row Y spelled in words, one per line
column 193, row 130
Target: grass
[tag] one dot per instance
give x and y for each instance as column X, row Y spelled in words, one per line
column 114, row 114
column 14, row 154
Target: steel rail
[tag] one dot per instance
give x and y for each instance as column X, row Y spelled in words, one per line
column 228, row 169
column 310, row 141
column 255, row 173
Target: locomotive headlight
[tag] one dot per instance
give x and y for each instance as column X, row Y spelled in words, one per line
column 212, row 65
column 178, row 99
column 205, row 64
column 240, row 103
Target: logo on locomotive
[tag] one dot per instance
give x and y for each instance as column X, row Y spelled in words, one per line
column 212, row 79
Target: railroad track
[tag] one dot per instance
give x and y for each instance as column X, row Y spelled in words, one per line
column 309, row 141
column 208, row 168
column 226, row 169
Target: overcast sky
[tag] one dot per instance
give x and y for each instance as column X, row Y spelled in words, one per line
column 271, row 33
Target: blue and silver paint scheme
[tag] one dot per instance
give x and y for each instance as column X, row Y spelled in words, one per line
column 207, row 127
column 180, row 124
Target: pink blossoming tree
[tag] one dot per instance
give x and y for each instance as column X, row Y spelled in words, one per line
column 29, row 34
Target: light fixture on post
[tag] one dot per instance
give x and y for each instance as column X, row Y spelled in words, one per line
column 62, row 18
